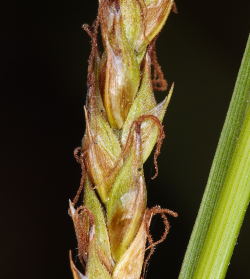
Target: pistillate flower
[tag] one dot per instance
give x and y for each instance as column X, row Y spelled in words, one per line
column 123, row 124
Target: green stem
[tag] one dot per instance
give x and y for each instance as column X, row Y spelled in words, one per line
column 229, row 212
column 213, row 202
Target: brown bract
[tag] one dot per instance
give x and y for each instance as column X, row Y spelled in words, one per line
column 130, row 264
column 122, row 74
column 155, row 15
column 127, row 202
column 102, row 150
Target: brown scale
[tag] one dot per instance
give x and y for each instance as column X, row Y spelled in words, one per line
column 137, row 122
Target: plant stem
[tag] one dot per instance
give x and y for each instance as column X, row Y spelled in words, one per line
column 229, row 212
column 220, row 194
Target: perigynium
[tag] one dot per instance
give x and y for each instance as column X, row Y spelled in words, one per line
column 123, row 124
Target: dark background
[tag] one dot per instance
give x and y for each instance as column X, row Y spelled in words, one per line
column 43, row 66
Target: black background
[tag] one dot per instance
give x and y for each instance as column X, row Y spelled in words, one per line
column 44, row 67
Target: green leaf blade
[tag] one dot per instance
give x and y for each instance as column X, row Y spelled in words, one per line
column 229, row 213
column 220, row 166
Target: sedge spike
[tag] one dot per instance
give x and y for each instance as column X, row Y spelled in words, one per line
column 123, row 124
